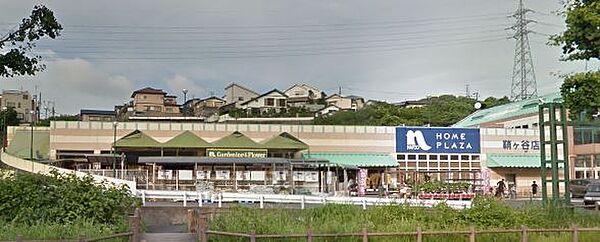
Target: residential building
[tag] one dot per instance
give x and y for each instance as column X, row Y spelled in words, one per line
column 22, row 102
column 329, row 110
column 203, row 107
column 151, row 102
column 412, row 104
column 271, row 101
column 235, row 93
column 96, row 115
column 299, row 95
column 346, row 102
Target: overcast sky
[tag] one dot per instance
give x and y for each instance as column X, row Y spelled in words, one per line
column 384, row 50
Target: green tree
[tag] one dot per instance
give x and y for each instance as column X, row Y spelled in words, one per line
column 581, row 41
column 581, row 92
column 8, row 117
column 16, row 57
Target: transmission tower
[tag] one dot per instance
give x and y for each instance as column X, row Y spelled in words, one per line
column 523, row 78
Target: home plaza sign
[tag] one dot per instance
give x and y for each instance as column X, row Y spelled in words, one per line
column 231, row 153
column 437, row 140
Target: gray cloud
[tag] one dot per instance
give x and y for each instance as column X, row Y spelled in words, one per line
column 386, row 50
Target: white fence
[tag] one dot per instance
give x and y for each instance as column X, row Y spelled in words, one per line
column 301, row 200
column 39, row 168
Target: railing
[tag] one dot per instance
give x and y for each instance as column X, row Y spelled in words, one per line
column 301, row 200
column 418, row 235
column 140, row 177
column 133, row 235
column 39, row 168
column 198, row 224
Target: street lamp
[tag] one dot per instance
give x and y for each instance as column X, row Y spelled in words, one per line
column 32, row 112
column 4, row 109
column 185, row 91
column 113, row 150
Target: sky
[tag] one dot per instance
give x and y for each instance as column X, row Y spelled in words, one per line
column 382, row 50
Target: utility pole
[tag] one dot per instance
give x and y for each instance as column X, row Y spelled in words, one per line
column 523, row 78
column 340, row 91
column 467, row 93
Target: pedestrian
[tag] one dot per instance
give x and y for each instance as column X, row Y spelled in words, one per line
column 534, row 189
column 500, row 190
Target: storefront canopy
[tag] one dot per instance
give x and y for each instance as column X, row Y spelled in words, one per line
column 210, row 160
column 513, row 161
column 186, row 139
column 285, row 141
column 355, row 159
column 137, row 139
column 237, row 140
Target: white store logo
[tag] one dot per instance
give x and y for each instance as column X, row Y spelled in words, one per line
column 416, row 141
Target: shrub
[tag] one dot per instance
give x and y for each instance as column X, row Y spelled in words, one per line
column 60, row 198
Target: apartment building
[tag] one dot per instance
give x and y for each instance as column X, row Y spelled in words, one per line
column 150, row 102
column 22, row 102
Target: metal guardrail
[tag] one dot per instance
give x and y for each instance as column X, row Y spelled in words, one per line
column 301, row 200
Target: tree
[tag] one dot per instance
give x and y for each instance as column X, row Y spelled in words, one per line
column 16, row 57
column 582, row 94
column 8, row 117
column 581, row 39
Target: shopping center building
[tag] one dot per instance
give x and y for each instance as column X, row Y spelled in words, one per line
column 492, row 144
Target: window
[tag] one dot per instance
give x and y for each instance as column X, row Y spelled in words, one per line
column 18, row 105
column 433, row 157
column 25, row 97
column 422, row 157
column 269, row 102
column 412, row 157
column 583, row 161
column 464, row 157
column 281, row 102
column 144, row 97
column 401, row 157
column 443, row 157
column 454, row 157
column 240, row 98
column 475, row 157
column 169, row 109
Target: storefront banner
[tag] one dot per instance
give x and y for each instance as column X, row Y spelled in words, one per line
column 437, row 140
column 165, row 174
column 242, row 175
column 280, row 175
column 186, row 175
column 222, row 175
column 202, row 175
column 257, row 175
column 298, row 176
column 311, row 176
column 362, row 181
column 226, row 153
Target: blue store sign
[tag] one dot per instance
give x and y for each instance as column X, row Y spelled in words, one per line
column 437, row 140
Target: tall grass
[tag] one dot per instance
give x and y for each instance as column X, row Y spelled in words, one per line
column 485, row 214
column 58, row 231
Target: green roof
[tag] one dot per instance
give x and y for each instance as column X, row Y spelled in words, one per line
column 506, row 111
column 355, row 159
column 285, row 141
column 237, row 140
column 137, row 139
column 514, row 161
column 20, row 145
column 186, row 139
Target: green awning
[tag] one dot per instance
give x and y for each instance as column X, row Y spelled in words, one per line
column 513, row 161
column 20, row 145
column 355, row 159
column 285, row 141
column 237, row 140
column 186, row 139
column 137, row 139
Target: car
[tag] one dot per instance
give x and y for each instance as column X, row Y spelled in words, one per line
column 578, row 186
column 592, row 194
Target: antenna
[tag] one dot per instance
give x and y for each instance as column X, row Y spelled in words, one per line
column 523, row 78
